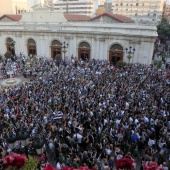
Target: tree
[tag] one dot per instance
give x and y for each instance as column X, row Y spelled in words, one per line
column 120, row 64
column 163, row 29
column 159, row 64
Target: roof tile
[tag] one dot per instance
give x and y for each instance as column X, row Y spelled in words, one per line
column 120, row 18
column 12, row 17
column 76, row 17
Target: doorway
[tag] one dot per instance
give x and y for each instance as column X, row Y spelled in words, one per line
column 84, row 51
column 84, row 54
column 115, row 53
column 56, row 49
column 10, row 45
column 31, row 47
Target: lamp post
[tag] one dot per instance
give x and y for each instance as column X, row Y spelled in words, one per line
column 23, row 137
column 64, row 46
column 38, row 145
column 130, row 51
column 11, row 139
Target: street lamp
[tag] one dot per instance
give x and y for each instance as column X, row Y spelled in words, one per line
column 38, row 145
column 23, row 137
column 130, row 51
column 11, row 139
column 64, row 46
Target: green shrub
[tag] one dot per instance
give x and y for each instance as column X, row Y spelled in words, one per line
column 31, row 163
column 120, row 64
column 159, row 64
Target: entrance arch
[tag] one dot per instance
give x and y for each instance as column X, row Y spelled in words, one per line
column 31, row 46
column 10, row 45
column 56, row 50
column 115, row 53
column 84, row 51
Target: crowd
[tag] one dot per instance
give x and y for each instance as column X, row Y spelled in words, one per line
column 89, row 113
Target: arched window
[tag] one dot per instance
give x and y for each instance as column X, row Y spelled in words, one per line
column 116, row 47
column 56, row 50
column 84, row 51
column 56, row 43
column 115, row 53
column 31, row 46
column 84, row 45
column 10, row 45
column 31, row 42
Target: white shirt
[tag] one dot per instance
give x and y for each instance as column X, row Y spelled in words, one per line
column 105, row 121
column 130, row 120
column 117, row 122
column 78, row 136
column 151, row 142
column 136, row 121
column 146, row 120
column 119, row 156
column 58, row 166
column 108, row 151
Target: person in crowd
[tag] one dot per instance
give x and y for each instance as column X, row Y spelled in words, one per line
column 89, row 114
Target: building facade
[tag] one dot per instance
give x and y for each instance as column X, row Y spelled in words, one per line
column 82, row 7
column 140, row 10
column 42, row 33
column 166, row 13
column 13, row 7
column 102, row 2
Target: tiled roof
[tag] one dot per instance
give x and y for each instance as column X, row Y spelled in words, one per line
column 120, row 18
column 12, row 17
column 76, row 17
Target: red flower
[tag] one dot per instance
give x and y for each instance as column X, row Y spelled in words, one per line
column 49, row 167
column 153, row 166
column 14, row 160
column 83, row 168
column 124, row 163
column 68, row 168
column 73, row 168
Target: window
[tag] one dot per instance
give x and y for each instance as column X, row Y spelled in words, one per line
column 116, row 4
column 137, row 4
column 131, row 4
column 126, row 4
column 136, row 14
column 121, row 4
column 126, row 9
column 19, row 11
column 143, row 4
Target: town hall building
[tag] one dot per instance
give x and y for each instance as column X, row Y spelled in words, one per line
column 106, row 36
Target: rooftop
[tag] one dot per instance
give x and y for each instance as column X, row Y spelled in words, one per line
column 13, row 17
column 120, row 18
column 76, row 17
column 79, row 18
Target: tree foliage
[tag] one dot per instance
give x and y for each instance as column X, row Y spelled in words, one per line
column 120, row 64
column 163, row 29
column 159, row 64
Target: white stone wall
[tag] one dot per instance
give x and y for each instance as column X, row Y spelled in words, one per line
column 99, row 36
